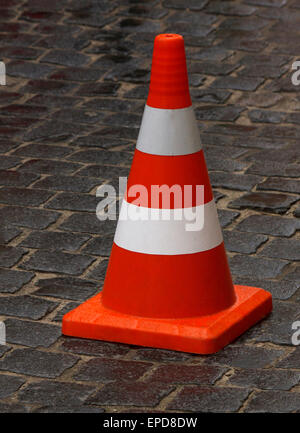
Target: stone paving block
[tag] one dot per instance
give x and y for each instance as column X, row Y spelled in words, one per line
column 265, row 379
column 99, row 246
column 280, row 184
column 6, row 146
column 285, row 155
column 274, row 401
column 10, row 123
column 126, row 132
column 226, row 217
column 218, row 113
column 103, row 171
column 102, row 349
column 17, row 178
column 11, row 281
column 63, row 42
column 9, row 162
column 79, row 116
column 9, row 385
column 32, row 334
column 130, row 120
column 111, row 104
column 6, row 97
column 81, row 74
column 47, row 86
column 130, row 394
column 230, row 8
column 98, row 89
column 111, row 370
column 180, row 4
column 160, row 355
column 290, row 361
column 266, row 116
column 272, row 168
column 243, row 265
column 27, row 217
column 214, row 54
column 283, row 289
column 73, row 409
column 237, row 83
column 102, row 156
column 23, row 196
column 8, row 233
column 277, row 328
column 53, row 100
column 86, row 223
column 3, row 349
column 26, row 306
column 243, row 242
column 240, row 182
column 244, row 356
column 53, row 130
column 20, row 53
column 98, row 272
column 20, row 68
column 37, row 363
column 48, row 261
column 208, row 399
column 62, row 393
column 42, row 151
column 186, row 374
column 232, row 129
column 214, row 163
column 66, row 288
column 271, row 3
column 75, row 202
column 50, row 240
column 9, row 256
column 265, row 201
column 95, row 140
column 49, row 166
column 259, row 99
column 269, row 224
column 209, row 95
column 212, row 68
column 13, row 408
column 288, row 249
column 68, row 307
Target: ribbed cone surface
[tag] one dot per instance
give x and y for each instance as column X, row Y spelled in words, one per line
column 169, row 86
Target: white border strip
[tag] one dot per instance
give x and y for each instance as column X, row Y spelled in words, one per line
column 169, row 132
column 168, row 237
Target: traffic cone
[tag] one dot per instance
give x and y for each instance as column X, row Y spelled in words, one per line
column 168, row 285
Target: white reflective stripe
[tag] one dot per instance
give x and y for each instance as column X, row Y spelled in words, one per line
column 168, row 237
column 169, row 132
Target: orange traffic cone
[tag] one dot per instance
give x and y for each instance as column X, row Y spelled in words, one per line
column 168, row 284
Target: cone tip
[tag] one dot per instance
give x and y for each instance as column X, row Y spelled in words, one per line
column 169, row 87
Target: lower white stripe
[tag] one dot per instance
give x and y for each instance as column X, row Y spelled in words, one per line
column 169, row 132
column 160, row 231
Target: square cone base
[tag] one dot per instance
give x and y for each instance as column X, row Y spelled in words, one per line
column 203, row 335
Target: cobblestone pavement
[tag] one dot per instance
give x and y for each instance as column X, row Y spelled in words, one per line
column 78, row 74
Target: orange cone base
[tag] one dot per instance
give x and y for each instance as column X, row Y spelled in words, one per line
column 203, row 335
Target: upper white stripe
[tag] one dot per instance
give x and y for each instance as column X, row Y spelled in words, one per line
column 169, row 132
column 168, row 237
